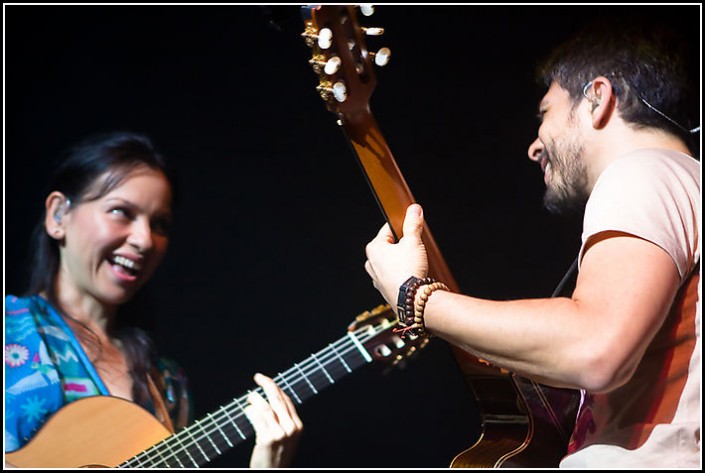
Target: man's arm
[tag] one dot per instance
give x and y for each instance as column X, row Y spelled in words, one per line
column 593, row 340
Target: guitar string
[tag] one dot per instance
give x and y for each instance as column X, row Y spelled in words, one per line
column 220, row 416
column 232, row 412
column 331, row 350
column 318, row 360
column 304, row 369
column 222, row 421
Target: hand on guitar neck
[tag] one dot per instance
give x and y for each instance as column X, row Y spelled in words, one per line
column 404, row 258
column 497, row 393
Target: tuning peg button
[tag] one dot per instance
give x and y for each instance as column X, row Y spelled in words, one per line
column 325, row 38
column 340, row 92
column 367, row 9
column 332, row 65
column 373, row 31
column 382, row 56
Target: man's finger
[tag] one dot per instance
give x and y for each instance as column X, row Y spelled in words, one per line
column 413, row 222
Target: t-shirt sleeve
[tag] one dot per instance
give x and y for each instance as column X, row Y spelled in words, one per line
column 653, row 197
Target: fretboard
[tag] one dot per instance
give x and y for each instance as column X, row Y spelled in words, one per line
column 219, row 431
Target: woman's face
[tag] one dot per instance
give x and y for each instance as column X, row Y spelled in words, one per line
column 112, row 245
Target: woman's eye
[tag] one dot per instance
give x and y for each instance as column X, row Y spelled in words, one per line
column 119, row 211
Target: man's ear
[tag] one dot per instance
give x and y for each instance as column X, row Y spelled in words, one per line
column 602, row 101
column 56, row 205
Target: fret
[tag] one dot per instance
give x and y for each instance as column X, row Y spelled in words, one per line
column 323, row 369
column 313, row 388
column 173, row 454
column 347, row 368
column 185, row 439
column 359, row 346
column 225, row 437
column 133, row 460
column 215, row 447
column 199, row 445
column 197, row 442
column 291, row 389
column 232, row 419
column 188, row 454
column 205, row 456
column 225, row 428
column 138, row 464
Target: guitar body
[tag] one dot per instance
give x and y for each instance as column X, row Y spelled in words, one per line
column 99, row 431
column 104, row 431
column 523, row 424
column 528, row 427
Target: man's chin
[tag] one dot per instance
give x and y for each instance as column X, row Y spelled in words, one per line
column 562, row 204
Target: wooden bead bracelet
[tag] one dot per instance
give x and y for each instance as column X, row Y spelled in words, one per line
column 411, row 303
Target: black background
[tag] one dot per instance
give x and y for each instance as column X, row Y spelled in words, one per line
column 266, row 260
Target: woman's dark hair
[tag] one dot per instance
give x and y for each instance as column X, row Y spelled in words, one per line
column 645, row 61
column 89, row 171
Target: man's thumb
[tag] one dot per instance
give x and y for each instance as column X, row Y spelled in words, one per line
column 413, row 222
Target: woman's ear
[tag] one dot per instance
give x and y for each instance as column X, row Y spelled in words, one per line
column 56, row 205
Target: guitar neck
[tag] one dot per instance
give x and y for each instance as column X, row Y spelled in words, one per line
column 394, row 196
column 389, row 186
column 346, row 81
column 228, row 426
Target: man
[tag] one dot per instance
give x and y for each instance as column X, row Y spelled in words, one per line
column 614, row 142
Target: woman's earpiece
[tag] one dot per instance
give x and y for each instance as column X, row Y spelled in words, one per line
column 60, row 210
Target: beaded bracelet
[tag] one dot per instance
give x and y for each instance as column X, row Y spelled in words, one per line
column 420, row 300
column 409, row 310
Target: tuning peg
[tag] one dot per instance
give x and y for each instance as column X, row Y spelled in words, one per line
column 367, row 9
column 323, row 37
column 381, row 57
column 330, row 67
column 338, row 90
column 373, row 31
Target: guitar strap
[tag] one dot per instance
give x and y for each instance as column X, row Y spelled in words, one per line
column 568, row 275
column 160, row 409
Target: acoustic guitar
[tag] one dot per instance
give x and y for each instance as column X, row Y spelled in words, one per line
column 524, row 424
column 104, row 431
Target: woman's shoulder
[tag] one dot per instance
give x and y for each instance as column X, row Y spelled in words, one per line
column 23, row 322
column 34, row 306
column 31, row 314
column 20, row 307
column 14, row 303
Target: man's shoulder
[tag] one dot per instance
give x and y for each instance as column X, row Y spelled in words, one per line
column 644, row 165
column 659, row 157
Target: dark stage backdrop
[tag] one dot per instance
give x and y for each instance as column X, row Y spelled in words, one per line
column 266, row 262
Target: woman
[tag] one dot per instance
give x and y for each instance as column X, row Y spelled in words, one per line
column 104, row 233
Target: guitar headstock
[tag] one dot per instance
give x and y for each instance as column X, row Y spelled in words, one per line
column 375, row 330
column 340, row 56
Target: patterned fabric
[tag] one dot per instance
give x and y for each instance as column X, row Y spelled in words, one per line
column 46, row 368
